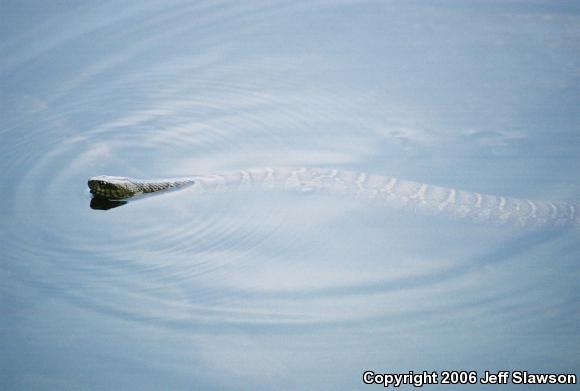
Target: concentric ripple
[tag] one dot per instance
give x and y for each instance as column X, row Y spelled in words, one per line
column 149, row 110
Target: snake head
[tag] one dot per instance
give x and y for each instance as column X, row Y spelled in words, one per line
column 113, row 187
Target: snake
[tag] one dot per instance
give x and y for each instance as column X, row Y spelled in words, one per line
column 388, row 190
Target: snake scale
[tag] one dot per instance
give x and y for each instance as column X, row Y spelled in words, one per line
column 391, row 191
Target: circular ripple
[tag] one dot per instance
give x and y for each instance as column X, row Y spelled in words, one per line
column 185, row 257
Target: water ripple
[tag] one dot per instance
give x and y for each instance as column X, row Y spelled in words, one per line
column 184, row 258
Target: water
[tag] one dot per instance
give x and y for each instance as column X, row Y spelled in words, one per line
column 280, row 290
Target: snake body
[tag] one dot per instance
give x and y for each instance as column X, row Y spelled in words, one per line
column 122, row 188
column 392, row 191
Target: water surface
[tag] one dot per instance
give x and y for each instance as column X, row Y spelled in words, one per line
column 278, row 290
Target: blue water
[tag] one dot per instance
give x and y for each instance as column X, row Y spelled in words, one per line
column 256, row 291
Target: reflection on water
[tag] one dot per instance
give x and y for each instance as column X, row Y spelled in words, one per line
column 278, row 290
column 104, row 204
